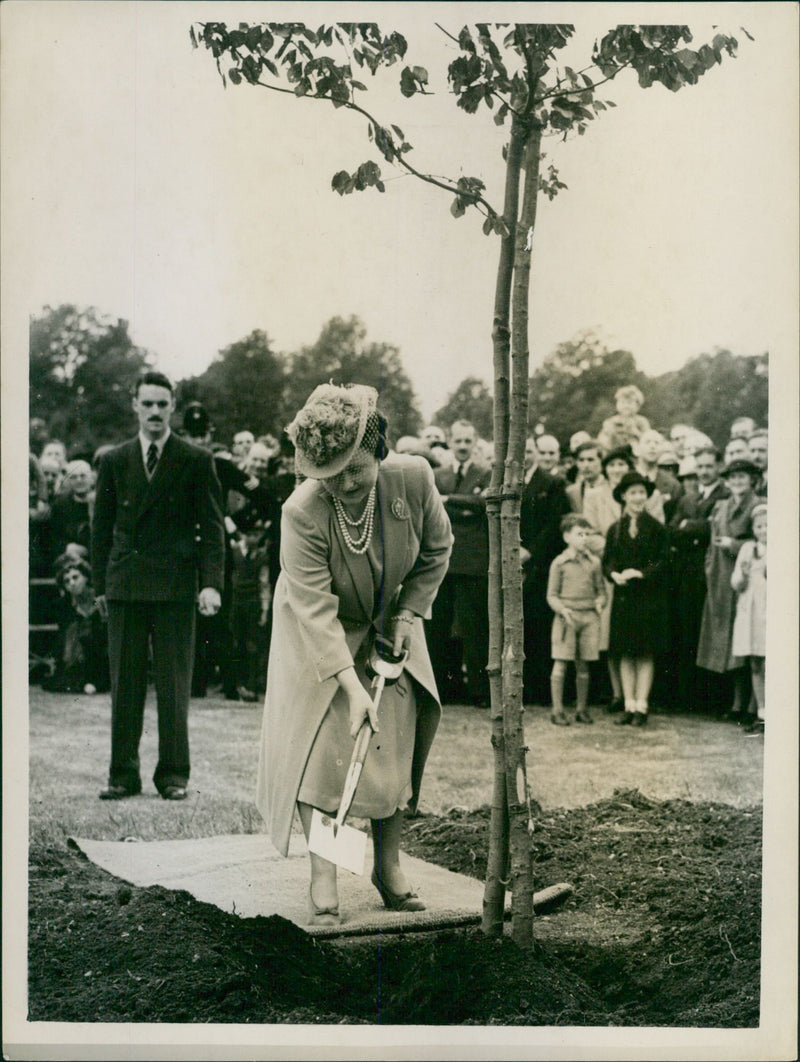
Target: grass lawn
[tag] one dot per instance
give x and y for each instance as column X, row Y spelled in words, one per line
column 675, row 756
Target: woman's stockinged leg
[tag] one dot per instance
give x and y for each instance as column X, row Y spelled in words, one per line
column 644, row 680
column 627, row 674
column 758, row 675
column 324, row 891
column 386, row 844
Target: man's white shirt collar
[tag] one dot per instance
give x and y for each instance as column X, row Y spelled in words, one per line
column 463, row 465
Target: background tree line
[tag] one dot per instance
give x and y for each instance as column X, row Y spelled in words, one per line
column 83, row 366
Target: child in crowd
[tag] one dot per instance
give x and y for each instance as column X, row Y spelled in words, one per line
column 576, row 592
column 749, row 580
column 82, row 663
column 250, row 604
column 627, row 424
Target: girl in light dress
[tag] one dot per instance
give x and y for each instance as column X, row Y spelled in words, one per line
column 749, row 580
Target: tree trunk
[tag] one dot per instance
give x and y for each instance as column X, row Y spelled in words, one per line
column 518, row 791
column 497, row 862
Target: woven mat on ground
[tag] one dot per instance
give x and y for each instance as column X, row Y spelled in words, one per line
column 245, row 875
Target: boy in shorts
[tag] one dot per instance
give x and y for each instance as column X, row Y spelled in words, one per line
column 576, row 592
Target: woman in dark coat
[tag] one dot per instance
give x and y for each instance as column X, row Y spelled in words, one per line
column 634, row 557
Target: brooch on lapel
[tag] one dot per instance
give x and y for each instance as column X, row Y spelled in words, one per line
column 399, row 509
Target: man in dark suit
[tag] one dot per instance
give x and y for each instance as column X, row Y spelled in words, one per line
column 690, row 533
column 157, row 537
column 543, row 503
column 461, row 607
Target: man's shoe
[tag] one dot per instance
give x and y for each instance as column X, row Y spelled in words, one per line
column 583, row 717
column 174, row 792
column 117, row 792
column 560, row 718
column 639, row 718
column 626, row 719
column 616, row 705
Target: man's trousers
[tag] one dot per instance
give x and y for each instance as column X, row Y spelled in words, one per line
column 169, row 626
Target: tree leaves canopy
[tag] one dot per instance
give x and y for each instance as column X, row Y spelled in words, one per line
column 342, row 354
column 472, row 401
column 83, row 368
column 573, row 390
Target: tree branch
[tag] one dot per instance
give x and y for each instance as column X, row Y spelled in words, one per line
column 447, row 34
column 474, row 198
column 569, row 92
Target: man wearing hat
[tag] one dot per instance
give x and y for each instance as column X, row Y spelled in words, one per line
column 157, row 557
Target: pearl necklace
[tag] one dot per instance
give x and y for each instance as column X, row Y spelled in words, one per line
column 361, row 544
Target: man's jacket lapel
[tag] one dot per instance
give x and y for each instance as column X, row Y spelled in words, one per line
column 168, row 465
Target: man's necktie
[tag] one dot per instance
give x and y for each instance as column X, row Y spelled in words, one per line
column 459, row 478
column 152, row 459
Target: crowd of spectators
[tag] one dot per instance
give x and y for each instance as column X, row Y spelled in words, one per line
column 643, row 556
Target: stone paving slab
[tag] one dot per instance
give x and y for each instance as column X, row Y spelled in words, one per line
column 243, row 874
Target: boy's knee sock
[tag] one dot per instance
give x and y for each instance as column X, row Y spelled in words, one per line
column 557, row 685
column 581, row 686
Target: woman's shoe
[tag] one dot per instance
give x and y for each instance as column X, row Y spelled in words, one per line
column 322, row 916
column 614, row 706
column 394, row 901
column 639, row 719
column 626, row 719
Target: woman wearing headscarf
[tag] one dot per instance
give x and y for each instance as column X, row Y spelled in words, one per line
column 365, row 543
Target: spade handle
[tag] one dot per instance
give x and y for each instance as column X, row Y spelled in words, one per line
column 360, row 749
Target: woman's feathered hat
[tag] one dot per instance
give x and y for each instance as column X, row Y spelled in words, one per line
column 331, row 426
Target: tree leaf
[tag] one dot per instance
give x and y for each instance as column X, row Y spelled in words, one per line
column 457, row 208
column 235, row 77
column 488, row 225
column 421, row 74
column 408, row 85
column 339, row 180
column 465, row 40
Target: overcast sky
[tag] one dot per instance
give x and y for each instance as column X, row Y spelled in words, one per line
column 145, row 189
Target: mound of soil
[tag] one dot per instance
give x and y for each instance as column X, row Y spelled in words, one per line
column 663, row 929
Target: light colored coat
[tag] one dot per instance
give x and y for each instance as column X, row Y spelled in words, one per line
column 325, row 606
column 729, row 519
